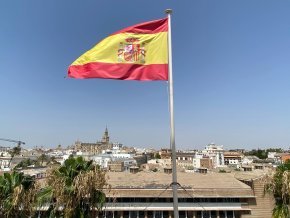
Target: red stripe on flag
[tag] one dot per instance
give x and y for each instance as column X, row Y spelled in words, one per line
column 119, row 71
column 150, row 27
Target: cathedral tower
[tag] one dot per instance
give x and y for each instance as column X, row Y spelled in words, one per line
column 106, row 138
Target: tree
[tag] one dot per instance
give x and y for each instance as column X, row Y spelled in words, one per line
column 17, row 194
column 279, row 185
column 77, row 187
column 157, row 156
column 262, row 154
column 42, row 158
column 25, row 163
column 14, row 151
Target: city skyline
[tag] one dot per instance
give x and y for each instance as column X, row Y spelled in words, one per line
column 230, row 65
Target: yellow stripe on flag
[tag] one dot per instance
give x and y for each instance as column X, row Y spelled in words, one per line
column 152, row 49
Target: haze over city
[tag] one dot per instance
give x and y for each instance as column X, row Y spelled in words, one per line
column 230, row 65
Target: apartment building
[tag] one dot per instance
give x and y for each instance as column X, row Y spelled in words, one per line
column 232, row 158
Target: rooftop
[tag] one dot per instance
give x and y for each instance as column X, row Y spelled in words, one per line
column 251, row 175
column 211, row 184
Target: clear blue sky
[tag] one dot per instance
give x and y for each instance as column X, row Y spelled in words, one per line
column 231, row 63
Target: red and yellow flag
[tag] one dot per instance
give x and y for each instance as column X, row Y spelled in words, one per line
column 137, row 52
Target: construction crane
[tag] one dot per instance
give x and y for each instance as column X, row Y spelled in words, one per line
column 19, row 143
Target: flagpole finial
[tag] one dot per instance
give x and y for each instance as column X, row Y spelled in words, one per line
column 168, row 11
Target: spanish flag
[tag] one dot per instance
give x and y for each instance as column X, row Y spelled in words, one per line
column 138, row 52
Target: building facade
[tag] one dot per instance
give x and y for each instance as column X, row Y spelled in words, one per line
column 216, row 153
column 149, row 195
column 97, row 147
column 232, row 158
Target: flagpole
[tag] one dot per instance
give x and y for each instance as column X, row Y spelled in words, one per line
column 172, row 128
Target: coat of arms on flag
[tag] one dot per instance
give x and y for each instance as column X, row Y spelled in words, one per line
column 131, row 51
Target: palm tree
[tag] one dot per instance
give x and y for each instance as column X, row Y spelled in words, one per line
column 74, row 189
column 279, row 185
column 42, row 158
column 17, row 194
column 14, row 151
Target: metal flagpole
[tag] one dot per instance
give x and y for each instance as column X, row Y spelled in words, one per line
column 172, row 128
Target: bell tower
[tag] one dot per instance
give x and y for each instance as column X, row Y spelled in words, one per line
column 106, row 138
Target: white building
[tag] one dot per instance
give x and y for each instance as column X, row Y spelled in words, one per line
column 102, row 160
column 216, row 153
column 196, row 162
column 4, row 162
column 129, row 163
column 122, row 155
column 249, row 160
column 117, row 146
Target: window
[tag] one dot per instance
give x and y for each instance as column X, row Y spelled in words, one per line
column 205, row 214
column 133, row 214
column 158, row 214
column 184, row 214
column 230, row 214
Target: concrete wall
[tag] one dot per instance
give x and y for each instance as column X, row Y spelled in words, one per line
column 263, row 205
